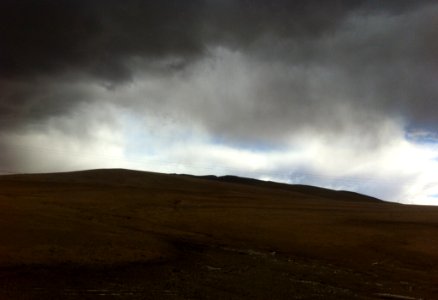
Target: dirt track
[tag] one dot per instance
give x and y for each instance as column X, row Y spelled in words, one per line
column 119, row 234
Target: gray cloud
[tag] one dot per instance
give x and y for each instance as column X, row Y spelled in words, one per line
column 92, row 36
column 249, row 72
column 97, row 37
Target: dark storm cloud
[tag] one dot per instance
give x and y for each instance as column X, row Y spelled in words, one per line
column 96, row 36
column 46, row 44
column 376, row 63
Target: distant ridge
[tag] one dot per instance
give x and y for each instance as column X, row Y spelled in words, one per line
column 145, row 179
column 293, row 187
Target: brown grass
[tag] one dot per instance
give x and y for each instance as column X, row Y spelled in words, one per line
column 116, row 217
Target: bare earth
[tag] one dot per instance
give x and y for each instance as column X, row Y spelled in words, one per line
column 119, row 234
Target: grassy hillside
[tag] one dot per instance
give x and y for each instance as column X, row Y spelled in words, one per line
column 113, row 218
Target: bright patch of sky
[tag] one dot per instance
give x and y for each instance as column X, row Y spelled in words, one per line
column 405, row 170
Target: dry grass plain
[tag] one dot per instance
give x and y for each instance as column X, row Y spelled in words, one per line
column 120, row 234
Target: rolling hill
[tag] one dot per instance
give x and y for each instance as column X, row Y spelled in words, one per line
column 125, row 234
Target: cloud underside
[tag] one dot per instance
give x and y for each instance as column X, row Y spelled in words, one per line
column 334, row 95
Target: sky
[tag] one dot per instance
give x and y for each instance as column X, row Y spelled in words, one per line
column 339, row 94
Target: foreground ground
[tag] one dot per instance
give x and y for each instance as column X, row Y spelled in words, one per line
column 117, row 234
